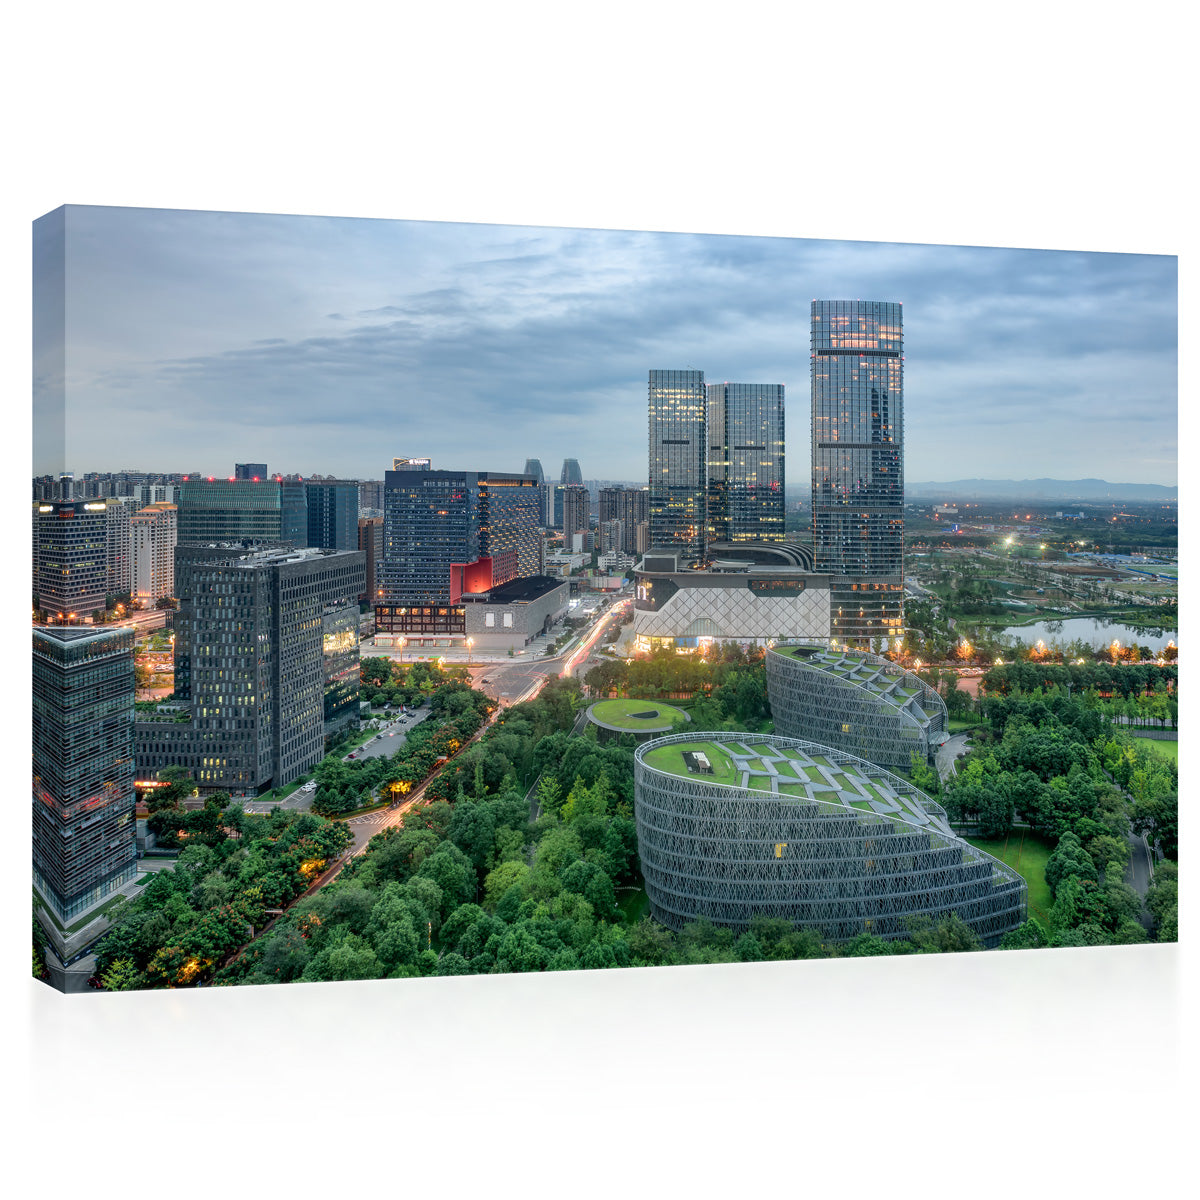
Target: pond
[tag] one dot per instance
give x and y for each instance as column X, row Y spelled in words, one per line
column 1096, row 631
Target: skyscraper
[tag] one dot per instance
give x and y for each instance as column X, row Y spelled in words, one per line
column 332, row 514
column 261, row 667
column 84, row 834
column 72, row 556
column 577, row 510
column 226, row 510
column 571, row 475
column 630, row 506
column 251, row 472
column 533, row 468
column 450, row 532
column 678, row 462
column 745, row 462
column 858, row 462
column 154, row 530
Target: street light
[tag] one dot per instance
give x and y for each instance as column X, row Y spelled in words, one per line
column 470, row 643
column 403, row 643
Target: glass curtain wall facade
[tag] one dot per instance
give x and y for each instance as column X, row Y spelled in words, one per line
column 858, row 461
column 332, row 515
column 84, row 834
column 745, row 463
column 678, row 462
column 71, row 555
column 229, row 511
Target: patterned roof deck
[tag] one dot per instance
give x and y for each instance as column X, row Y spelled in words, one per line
column 802, row 771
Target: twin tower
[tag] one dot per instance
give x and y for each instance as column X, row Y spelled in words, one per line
column 716, row 462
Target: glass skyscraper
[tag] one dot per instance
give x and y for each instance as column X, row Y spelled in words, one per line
column 678, row 462
column 745, row 462
column 858, row 462
column 83, row 802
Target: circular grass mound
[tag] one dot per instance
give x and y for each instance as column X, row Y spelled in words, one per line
column 637, row 716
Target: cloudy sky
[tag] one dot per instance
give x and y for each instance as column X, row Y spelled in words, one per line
column 327, row 345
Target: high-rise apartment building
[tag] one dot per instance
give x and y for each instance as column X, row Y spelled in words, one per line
column 447, row 533
column 745, row 462
column 228, row 510
column 332, row 514
column 251, row 472
column 71, row 550
column 261, row 643
column 154, row 531
column 84, row 833
column 678, row 464
column 370, row 495
column 858, row 462
column 630, row 506
column 119, row 572
column 577, row 511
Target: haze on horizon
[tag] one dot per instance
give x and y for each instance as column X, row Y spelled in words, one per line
column 330, row 345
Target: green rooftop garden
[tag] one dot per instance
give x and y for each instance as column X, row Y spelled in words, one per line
column 638, row 716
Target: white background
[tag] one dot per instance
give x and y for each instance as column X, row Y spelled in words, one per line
column 1065, row 127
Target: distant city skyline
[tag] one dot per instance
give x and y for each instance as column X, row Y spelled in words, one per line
column 330, row 345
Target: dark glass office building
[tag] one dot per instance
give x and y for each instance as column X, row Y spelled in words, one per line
column 227, row 510
column 252, row 472
column 332, row 514
column 84, row 833
column 252, row 667
column 745, row 462
column 858, row 462
column 678, row 464
column 450, row 532
column 70, row 556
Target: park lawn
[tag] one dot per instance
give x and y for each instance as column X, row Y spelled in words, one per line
column 958, row 724
column 670, row 759
column 1170, row 749
column 1026, row 853
column 621, row 713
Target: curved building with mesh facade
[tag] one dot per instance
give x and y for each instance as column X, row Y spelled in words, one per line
column 853, row 701
column 733, row 825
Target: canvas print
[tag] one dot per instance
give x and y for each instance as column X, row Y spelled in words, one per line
column 421, row 599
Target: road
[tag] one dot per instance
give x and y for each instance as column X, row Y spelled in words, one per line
column 948, row 752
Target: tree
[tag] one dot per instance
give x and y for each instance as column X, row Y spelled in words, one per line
column 122, row 976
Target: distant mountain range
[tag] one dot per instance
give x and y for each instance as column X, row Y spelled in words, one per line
column 1040, row 489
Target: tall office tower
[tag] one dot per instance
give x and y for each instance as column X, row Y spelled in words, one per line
column 745, row 462
column 332, row 514
column 571, row 475
column 533, row 468
column 577, row 511
column 72, row 557
column 858, row 462
column 678, row 462
column 84, row 831
column 630, row 506
column 250, row 472
column 446, row 533
column 293, row 511
column 153, row 533
column 261, row 639
column 370, row 495
column 225, row 510
column 119, row 568
column 370, row 539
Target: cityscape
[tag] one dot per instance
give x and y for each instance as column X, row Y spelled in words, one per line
column 398, row 699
